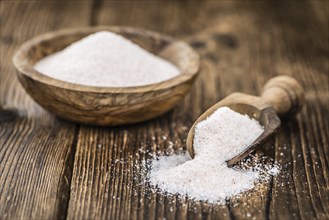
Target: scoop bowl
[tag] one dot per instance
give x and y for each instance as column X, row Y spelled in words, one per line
column 106, row 105
column 282, row 96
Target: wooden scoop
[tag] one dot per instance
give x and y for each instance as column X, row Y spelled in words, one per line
column 282, row 96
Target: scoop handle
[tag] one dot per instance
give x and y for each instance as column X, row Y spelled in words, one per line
column 285, row 95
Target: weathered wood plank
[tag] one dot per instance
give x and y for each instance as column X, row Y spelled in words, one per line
column 242, row 45
column 303, row 191
column 36, row 153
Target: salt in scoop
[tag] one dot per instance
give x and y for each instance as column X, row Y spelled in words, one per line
column 282, row 96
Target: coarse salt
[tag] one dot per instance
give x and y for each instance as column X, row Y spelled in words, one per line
column 108, row 60
column 207, row 177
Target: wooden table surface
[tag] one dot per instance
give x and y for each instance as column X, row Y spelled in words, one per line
column 54, row 169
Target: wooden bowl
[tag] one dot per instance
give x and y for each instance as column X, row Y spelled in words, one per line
column 106, row 105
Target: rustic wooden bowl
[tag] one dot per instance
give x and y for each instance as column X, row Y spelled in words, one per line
column 106, row 105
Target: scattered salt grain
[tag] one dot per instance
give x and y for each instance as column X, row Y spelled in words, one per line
column 220, row 137
column 106, row 59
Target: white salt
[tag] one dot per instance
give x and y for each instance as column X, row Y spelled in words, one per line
column 106, row 59
column 220, row 137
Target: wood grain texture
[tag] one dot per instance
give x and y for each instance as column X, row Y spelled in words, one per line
column 36, row 149
column 242, row 43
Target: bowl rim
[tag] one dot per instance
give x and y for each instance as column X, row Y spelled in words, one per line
column 21, row 63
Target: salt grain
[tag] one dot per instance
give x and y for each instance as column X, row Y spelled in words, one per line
column 106, row 59
column 220, row 137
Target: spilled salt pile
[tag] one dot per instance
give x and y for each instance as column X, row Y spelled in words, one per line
column 106, row 59
column 206, row 177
